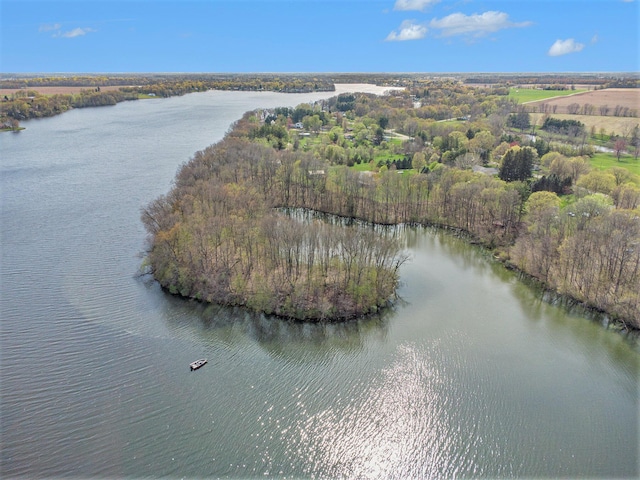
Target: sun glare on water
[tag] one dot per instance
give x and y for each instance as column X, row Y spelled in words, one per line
column 385, row 434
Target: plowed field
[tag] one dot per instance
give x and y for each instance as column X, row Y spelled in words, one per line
column 611, row 97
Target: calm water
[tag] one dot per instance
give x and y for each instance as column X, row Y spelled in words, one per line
column 472, row 375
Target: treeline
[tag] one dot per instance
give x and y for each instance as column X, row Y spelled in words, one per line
column 182, row 82
column 172, row 87
column 450, row 99
column 24, row 105
column 589, row 251
column 630, row 80
column 442, row 195
column 27, row 103
column 89, row 81
column 584, row 109
column 565, row 127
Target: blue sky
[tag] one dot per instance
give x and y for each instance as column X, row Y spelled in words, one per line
column 319, row 36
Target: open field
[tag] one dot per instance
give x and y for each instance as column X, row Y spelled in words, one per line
column 57, row 90
column 610, row 97
column 604, row 161
column 618, row 125
column 526, row 95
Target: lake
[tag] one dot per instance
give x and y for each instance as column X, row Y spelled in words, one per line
column 470, row 375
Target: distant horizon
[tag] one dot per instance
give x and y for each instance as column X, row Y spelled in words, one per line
column 278, row 36
column 506, row 73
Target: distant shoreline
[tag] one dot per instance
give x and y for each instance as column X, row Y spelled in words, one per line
column 98, row 96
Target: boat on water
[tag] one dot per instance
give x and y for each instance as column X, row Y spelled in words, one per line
column 197, row 364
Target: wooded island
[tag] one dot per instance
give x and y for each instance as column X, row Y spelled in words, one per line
column 437, row 153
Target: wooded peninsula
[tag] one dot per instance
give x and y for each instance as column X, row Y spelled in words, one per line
column 439, row 152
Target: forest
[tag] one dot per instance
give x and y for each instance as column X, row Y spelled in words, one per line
column 221, row 234
column 26, row 102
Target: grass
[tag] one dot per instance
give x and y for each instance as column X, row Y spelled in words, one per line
column 307, row 141
column 604, row 161
column 387, row 156
column 566, row 200
column 394, row 141
column 451, row 122
column 524, row 95
column 364, row 167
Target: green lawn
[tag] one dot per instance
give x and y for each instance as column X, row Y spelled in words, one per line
column 603, row 161
column 395, row 141
column 364, row 167
column 307, row 141
column 523, row 95
column 453, row 123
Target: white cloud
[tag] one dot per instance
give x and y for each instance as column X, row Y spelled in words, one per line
column 594, row 39
column 49, row 27
column 476, row 25
column 76, row 32
column 414, row 4
column 563, row 47
column 408, row 31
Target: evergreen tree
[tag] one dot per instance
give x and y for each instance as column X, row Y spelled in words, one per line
column 517, row 164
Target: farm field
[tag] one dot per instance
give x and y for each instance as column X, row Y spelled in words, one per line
column 526, row 95
column 617, row 125
column 610, row 97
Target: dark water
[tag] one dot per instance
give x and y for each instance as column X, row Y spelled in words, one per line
column 471, row 375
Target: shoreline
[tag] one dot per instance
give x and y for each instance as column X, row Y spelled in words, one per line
column 549, row 295
column 338, row 89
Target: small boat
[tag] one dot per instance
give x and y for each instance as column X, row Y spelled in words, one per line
column 198, row 363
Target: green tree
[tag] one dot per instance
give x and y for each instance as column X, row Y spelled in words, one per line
column 521, row 120
column 481, row 144
column 335, row 134
column 541, row 202
column 517, row 164
column 379, row 136
column 598, row 181
column 312, row 122
column 419, row 161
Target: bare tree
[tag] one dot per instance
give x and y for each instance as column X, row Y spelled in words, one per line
column 573, row 108
column 619, row 147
